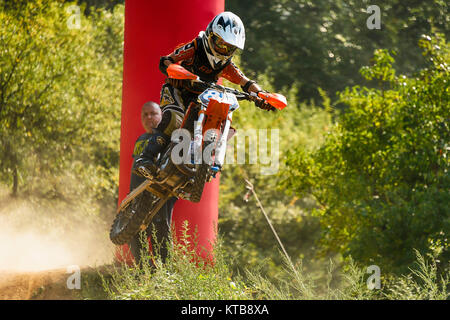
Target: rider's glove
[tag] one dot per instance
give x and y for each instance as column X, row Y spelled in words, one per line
column 260, row 103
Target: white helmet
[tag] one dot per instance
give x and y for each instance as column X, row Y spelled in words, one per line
column 224, row 34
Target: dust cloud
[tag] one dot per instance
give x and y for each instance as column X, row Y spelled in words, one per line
column 36, row 238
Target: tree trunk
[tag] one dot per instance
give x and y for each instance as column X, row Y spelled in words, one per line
column 15, row 182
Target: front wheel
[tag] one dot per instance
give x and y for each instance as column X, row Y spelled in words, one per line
column 200, row 179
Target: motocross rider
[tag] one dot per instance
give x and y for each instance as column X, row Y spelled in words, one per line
column 208, row 56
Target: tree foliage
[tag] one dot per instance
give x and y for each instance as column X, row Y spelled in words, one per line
column 382, row 175
column 323, row 44
column 60, row 91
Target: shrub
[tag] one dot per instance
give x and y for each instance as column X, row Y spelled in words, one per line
column 381, row 177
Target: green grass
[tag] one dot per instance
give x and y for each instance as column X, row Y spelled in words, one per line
column 186, row 277
column 183, row 276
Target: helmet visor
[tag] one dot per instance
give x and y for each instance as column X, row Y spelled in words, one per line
column 221, row 46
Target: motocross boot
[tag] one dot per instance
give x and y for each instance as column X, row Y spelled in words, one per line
column 145, row 165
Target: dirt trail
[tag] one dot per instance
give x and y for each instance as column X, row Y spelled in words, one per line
column 39, row 285
column 38, row 242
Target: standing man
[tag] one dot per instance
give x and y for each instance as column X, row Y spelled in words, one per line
column 150, row 118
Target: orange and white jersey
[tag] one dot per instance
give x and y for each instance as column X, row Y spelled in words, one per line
column 192, row 56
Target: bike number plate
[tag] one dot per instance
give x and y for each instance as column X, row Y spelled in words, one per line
column 210, row 94
column 219, row 96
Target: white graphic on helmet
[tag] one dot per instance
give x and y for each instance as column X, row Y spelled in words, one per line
column 224, row 34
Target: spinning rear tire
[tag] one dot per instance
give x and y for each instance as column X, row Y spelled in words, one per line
column 138, row 213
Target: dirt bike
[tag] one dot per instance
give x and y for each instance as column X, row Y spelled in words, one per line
column 205, row 130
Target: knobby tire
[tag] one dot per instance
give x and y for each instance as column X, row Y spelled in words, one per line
column 130, row 219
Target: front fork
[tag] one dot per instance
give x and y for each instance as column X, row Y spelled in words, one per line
column 220, row 150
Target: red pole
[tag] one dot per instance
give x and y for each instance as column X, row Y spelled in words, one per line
column 154, row 29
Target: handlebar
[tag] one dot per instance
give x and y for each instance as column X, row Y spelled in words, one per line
column 277, row 101
column 212, row 85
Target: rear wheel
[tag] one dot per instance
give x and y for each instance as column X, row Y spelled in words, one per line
column 138, row 213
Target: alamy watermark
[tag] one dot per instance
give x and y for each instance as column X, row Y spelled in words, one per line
column 263, row 149
column 374, row 280
column 374, row 20
column 74, row 20
column 74, row 280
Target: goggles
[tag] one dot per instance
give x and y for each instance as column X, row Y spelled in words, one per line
column 221, row 46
